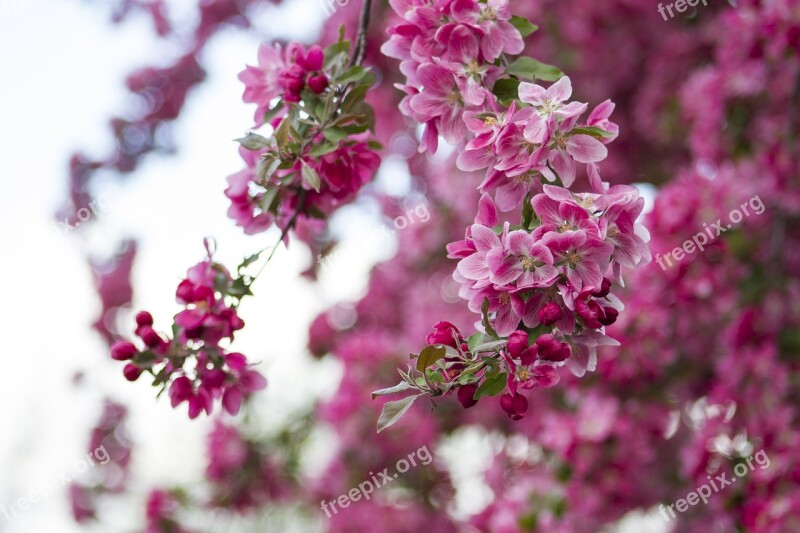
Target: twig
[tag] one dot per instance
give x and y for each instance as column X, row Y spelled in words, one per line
column 361, row 39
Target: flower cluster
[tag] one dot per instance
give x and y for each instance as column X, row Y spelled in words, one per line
column 448, row 50
column 193, row 366
column 542, row 283
column 320, row 153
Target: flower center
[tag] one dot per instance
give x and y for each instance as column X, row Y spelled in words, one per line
column 523, row 374
column 504, row 298
column 559, row 140
column 613, row 231
column 573, row 258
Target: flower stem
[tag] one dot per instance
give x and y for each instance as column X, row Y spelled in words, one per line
column 360, row 49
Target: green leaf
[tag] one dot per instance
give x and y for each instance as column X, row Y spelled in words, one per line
column 485, row 318
column 334, row 134
column 254, row 141
column 145, row 360
column 400, row 387
column 322, row 149
column 531, row 69
column 353, row 98
column 527, row 212
column 523, row 25
column 310, row 177
column 506, row 90
column 393, row 411
column 492, row 386
column 474, row 341
column 267, row 167
column 247, row 261
column 282, row 134
column 375, row 145
column 429, row 355
column 353, row 74
column 593, row 131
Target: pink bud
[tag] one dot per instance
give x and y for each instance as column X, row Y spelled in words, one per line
column 610, row 317
column 551, row 349
column 315, row 58
column 131, row 372
column 318, row 83
column 605, row 288
column 185, row 292
column 122, row 351
column 444, row 333
column 143, row 318
column 465, row 395
column 550, row 314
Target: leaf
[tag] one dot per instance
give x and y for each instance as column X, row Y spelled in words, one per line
column 400, row 387
column 491, row 345
column 354, row 97
column 531, row 69
column 392, row 411
column 506, row 90
column 145, row 360
column 254, row 141
column 527, row 212
column 267, row 167
column 429, row 355
column 523, row 25
column 485, row 318
column 282, row 134
column 310, row 177
column 375, row 145
column 334, row 134
column 322, row 149
column 492, row 386
column 474, row 341
column 247, row 261
column 594, row 131
column 353, row 74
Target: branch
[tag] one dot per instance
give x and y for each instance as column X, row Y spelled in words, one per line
column 361, row 39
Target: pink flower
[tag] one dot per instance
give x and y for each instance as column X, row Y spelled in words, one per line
column 582, row 258
column 262, row 83
column 440, row 101
column 522, row 261
column 492, row 18
column 515, row 405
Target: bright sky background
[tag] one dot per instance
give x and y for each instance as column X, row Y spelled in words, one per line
column 63, row 67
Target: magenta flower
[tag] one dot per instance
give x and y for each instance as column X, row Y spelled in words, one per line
column 440, row 101
column 262, row 83
column 521, row 260
column 475, row 266
column 492, row 18
column 583, row 259
column 550, row 102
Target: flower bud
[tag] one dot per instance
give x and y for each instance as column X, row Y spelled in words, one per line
column 318, row 83
column 550, row 313
column 444, row 333
column 515, row 405
column 551, row 349
column 465, row 395
column 610, row 317
column 122, row 351
column 150, row 337
column 605, row 288
column 131, row 372
column 143, row 318
column 314, row 58
column 517, row 343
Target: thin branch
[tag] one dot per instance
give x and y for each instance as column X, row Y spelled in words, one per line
column 361, row 39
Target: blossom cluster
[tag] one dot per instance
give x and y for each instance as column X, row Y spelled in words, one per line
column 193, row 365
column 542, row 283
column 320, row 153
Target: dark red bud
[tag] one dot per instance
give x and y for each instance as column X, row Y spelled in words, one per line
column 517, row 343
column 610, row 317
column 515, row 405
column 131, row 372
column 605, row 288
column 318, row 83
column 150, row 337
column 143, row 318
column 465, row 395
column 550, row 314
column 122, row 351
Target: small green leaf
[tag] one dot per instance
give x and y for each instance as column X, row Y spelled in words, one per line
column 492, row 386
column 322, row 149
column 506, row 90
column 393, row 411
column 474, row 341
column 531, row 69
column 267, row 167
column 485, row 318
column 310, row 177
column 429, row 355
column 353, row 74
column 353, row 98
column 375, row 145
column 334, row 134
column 145, row 360
column 593, row 131
column 254, row 141
column 400, row 387
column 523, row 25
column 247, row 261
